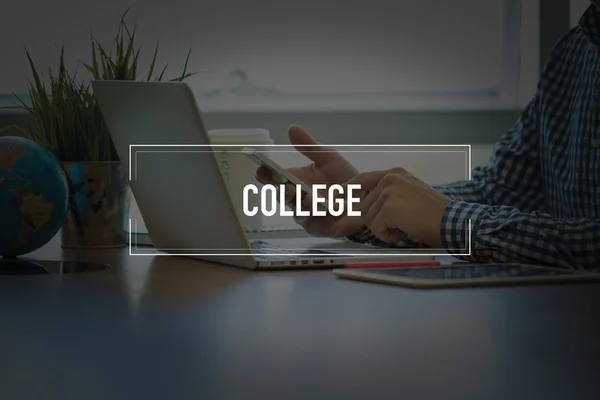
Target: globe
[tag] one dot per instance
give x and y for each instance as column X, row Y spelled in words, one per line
column 34, row 196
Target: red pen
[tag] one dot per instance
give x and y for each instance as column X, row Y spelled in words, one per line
column 394, row 264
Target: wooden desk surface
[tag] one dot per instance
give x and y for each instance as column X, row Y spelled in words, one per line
column 175, row 328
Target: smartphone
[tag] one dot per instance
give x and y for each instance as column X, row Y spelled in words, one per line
column 262, row 159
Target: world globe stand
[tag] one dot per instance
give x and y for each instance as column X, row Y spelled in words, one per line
column 17, row 266
column 25, row 266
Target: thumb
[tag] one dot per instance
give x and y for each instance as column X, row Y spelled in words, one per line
column 309, row 147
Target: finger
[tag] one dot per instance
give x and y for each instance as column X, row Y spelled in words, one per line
column 395, row 236
column 370, row 213
column 382, row 225
column 365, row 206
column 290, row 190
column 345, row 226
column 295, row 204
column 367, row 180
column 379, row 224
column 318, row 226
column 266, row 177
column 380, row 221
column 309, row 147
column 263, row 175
column 304, row 173
column 308, row 199
column 290, row 201
column 337, row 205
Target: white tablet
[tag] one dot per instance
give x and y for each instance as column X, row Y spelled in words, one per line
column 464, row 274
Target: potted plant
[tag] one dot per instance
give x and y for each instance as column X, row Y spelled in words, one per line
column 66, row 119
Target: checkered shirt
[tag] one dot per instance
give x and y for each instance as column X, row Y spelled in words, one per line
column 537, row 201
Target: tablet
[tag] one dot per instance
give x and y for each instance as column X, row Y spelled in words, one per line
column 461, row 275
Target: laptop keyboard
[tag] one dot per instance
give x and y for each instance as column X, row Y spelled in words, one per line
column 262, row 247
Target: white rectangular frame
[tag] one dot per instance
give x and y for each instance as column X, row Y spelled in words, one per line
column 410, row 252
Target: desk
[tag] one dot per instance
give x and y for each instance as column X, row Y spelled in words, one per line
column 176, row 328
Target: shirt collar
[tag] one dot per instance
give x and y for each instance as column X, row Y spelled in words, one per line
column 590, row 24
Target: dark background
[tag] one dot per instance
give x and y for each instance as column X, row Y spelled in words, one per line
column 426, row 127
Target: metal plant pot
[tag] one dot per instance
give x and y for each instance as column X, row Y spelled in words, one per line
column 99, row 210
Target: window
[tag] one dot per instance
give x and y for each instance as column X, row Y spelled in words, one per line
column 307, row 55
column 577, row 9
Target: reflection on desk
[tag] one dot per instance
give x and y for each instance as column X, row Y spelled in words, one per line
column 172, row 327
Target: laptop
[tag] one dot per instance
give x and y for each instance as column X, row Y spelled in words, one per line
column 184, row 202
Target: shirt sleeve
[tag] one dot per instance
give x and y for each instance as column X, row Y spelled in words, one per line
column 511, row 177
column 507, row 234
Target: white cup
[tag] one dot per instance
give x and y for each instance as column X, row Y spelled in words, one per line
column 237, row 169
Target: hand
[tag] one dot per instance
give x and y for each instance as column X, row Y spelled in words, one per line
column 328, row 167
column 399, row 205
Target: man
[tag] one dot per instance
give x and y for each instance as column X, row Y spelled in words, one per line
column 538, row 199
